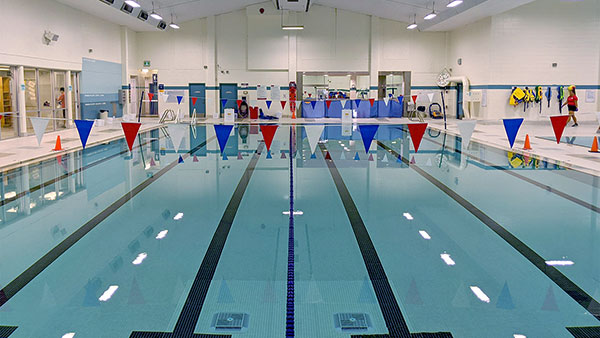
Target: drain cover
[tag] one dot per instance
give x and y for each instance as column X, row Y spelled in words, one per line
column 352, row 321
column 230, row 321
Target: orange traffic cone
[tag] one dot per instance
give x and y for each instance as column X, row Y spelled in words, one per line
column 527, row 144
column 57, row 147
column 595, row 146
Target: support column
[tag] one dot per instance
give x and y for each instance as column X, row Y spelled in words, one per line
column 374, row 57
column 212, row 97
column 69, row 98
column 21, row 110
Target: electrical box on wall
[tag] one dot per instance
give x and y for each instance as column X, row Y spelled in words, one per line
column 123, row 98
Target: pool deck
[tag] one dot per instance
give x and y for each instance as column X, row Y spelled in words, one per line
column 19, row 151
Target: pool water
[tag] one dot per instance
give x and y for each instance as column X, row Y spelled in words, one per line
column 449, row 241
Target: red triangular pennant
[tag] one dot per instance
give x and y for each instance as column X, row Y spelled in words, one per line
column 328, row 102
column 371, row 158
column 558, row 124
column 372, row 102
column 130, row 129
column 268, row 131
column 414, row 97
column 239, row 103
column 194, row 99
column 240, row 156
column 328, row 156
column 254, row 113
column 282, row 104
column 150, row 96
column 416, row 133
column 195, row 158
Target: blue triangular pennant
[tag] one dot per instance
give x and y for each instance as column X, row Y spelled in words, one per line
column 399, row 159
column 84, row 128
column 223, row 102
column 269, row 155
column 413, row 296
column 313, row 156
column 180, row 159
column 512, row 128
column 367, row 131
column 179, row 98
column 224, row 156
column 224, row 294
column 269, row 104
column 223, row 132
column 357, row 102
column 550, row 301
column 356, row 157
column 91, row 292
column 505, row 299
column 313, row 103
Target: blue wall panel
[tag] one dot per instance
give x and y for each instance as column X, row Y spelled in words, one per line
column 100, row 84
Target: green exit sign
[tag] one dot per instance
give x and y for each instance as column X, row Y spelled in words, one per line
column 146, row 63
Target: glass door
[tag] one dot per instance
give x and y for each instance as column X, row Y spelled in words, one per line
column 75, row 95
column 60, row 99
column 31, row 96
column 8, row 122
column 45, row 96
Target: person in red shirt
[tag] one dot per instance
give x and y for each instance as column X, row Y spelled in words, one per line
column 572, row 104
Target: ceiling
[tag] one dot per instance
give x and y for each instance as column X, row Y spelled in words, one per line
column 400, row 10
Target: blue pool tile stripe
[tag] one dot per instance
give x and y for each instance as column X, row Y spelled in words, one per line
column 28, row 275
column 568, row 286
column 392, row 315
column 289, row 316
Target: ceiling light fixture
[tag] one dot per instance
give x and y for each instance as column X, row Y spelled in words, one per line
column 292, row 28
column 454, row 3
column 132, row 3
column 414, row 24
column 154, row 14
column 432, row 14
column 173, row 24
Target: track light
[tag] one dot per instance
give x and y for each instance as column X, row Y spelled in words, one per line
column 432, row 14
column 414, row 24
column 454, row 3
column 132, row 3
column 173, row 24
column 154, row 14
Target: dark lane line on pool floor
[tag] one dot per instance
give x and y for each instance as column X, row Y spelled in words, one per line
column 568, row 286
column 28, row 275
column 392, row 315
column 190, row 313
column 524, row 178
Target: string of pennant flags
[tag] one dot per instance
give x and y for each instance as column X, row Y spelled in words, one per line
column 313, row 132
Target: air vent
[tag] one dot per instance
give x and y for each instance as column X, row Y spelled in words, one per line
column 352, row 321
column 143, row 15
column 108, row 2
column 162, row 25
column 126, row 8
column 227, row 321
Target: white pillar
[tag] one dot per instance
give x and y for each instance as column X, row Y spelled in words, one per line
column 374, row 56
column 212, row 97
column 69, row 103
column 21, row 113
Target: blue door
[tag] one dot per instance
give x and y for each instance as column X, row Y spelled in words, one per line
column 459, row 101
column 198, row 90
column 228, row 91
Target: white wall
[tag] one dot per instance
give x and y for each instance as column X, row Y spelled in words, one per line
column 518, row 47
column 24, row 22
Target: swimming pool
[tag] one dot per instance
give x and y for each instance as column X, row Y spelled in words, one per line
column 446, row 242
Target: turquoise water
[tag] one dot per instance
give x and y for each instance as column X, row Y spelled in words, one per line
column 110, row 243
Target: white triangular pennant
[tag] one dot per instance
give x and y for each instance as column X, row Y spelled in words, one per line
column 430, row 95
column 343, row 102
column 177, row 132
column 313, row 295
column 466, row 128
column 386, row 100
column 39, row 127
column 165, row 98
column 428, row 162
column 313, row 133
column 343, row 157
column 385, row 159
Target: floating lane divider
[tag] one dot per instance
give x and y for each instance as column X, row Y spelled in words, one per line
column 190, row 313
column 28, row 275
column 568, row 286
column 392, row 315
column 289, row 317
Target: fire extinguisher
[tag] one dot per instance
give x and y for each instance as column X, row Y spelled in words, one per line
column 292, row 94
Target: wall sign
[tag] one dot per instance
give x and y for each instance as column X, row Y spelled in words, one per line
column 146, row 63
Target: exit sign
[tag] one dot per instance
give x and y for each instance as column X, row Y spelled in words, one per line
column 146, row 63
